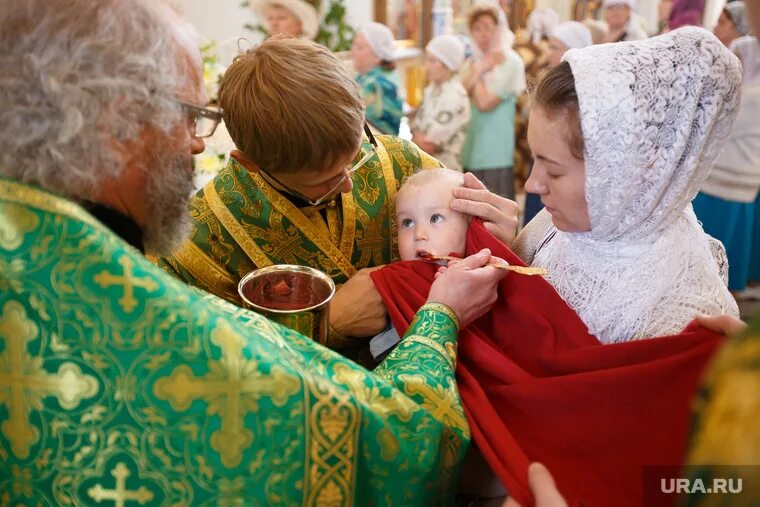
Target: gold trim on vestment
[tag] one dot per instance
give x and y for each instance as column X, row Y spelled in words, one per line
column 386, row 164
column 333, row 425
column 20, row 193
column 349, row 225
column 304, row 225
column 445, row 309
column 315, row 216
column 333, row 226
column 433, row 345
column 428, row 161
column 236, row 230
column 191, row 257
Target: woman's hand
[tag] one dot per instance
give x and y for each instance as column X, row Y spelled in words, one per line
column 357, row 308
column 498, row 213
column 726, row 325
column 468, row 287
column 544, row 490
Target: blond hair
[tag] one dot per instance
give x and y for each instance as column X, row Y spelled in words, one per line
column 291, row 106
column 427, row 176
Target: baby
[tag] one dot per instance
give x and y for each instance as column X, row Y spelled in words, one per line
column 426, row 224
column 531, row 362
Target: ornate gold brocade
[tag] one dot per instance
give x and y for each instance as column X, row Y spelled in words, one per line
column 120, row 385
column 241, row 222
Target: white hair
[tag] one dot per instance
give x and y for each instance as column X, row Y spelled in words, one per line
column 79, row 79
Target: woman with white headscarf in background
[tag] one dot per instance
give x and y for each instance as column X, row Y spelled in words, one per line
column 540, row 23
column 732, row 23
column 621, row 146
column 726, row 204
column 493, row 78
column 440, row 125
column 292, row 18
column 567, row 35
column 533, row 47
column 563, row 37
column 622, row 22
column 374, row 54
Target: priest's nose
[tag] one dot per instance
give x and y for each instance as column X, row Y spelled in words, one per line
column 347, row 185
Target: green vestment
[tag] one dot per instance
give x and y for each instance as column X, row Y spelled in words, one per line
column 119, row 385
column 241, row 222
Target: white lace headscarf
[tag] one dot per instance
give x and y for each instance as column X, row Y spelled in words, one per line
column 654, row 115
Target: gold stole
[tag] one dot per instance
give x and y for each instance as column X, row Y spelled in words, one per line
column 333, row 239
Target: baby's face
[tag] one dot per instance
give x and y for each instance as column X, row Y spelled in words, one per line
column 425, row 222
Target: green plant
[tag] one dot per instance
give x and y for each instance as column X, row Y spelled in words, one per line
column 212, row 67
column 334, row 33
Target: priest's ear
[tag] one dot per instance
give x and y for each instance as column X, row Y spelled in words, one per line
column 132, row 144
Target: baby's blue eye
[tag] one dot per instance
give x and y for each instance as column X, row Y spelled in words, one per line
column 407, row 222
column 436, row 218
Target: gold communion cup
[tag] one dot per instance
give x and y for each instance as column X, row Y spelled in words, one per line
column 295, row 296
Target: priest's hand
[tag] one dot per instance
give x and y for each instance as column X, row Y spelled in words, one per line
column 468, row 286
column 357, row 308
column 498, row 213
column 543, row 487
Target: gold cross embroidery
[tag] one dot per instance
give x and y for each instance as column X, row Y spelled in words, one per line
column 442, row 401
column 232, row 387
column 371, row 240
column 121, row 494
column 128, row 282
column 24, row 382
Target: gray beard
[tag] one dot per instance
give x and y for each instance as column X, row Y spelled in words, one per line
column 168, row 192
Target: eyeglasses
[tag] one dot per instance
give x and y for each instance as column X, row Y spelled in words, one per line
column 347, row 174
column 205, row 119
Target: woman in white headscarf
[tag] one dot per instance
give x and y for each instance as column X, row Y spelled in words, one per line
column 293, row 18
column 622, row 22
column 493, row 78
column 732, row 23
column 726, row 204
column 623, row 136
column 540, row 23
column 374, row 54
column 567, row 35
column 440, row 124
column 533, row 47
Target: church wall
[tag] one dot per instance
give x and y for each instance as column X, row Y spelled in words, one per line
column 224, row 20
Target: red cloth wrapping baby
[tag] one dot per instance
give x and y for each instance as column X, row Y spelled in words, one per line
column 536, row 386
